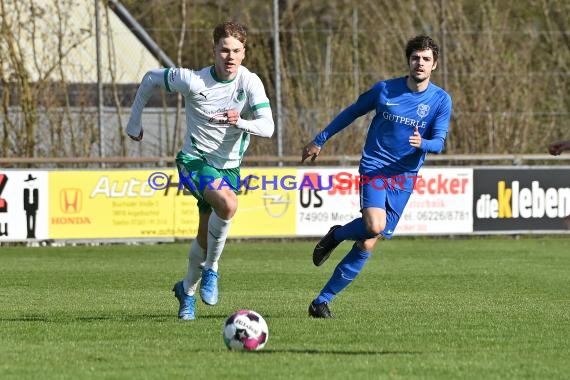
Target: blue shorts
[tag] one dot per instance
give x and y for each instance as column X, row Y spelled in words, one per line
column 382, row 193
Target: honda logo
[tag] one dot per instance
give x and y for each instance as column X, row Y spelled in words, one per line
column 70, row 201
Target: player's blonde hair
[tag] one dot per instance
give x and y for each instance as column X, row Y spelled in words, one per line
column 230, row 29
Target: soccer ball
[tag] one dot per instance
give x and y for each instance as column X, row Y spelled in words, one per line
column 245, row 330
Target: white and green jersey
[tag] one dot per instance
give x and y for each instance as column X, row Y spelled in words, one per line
column 207, row 99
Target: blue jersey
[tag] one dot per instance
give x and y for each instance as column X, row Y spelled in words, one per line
column 398, row 110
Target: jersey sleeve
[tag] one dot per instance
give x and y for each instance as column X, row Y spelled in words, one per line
column 260, row 118
column 257, row 98
column 177, row 80
column 171, row 79
column 151, row 81
column 365, row 103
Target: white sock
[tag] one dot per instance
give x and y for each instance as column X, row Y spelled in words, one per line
column 196, row 257
column 218, row 229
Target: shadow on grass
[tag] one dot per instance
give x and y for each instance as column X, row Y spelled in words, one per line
column 92, row 318
column 159, row 317
column 335, row 352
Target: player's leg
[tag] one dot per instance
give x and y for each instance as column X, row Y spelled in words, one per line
column 350, row 266
column 197, row 255
column 370, row 225
column 184, row 290
column 346, row 271
column 366, row 231
column 357, row 229
column 224, row 205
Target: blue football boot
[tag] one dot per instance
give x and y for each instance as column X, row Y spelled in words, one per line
column 209, row 287
column 187, row 303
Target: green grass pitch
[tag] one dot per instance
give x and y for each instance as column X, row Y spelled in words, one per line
column 479, row 308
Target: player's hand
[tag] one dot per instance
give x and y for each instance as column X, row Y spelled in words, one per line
column 137, row 138
column 416, row 139
column 232, row 116
column 310, row 150
column 558, row 147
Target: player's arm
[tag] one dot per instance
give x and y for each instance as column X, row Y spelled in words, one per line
column 364, row 104
column 260, row 118
column 170, row 79
column 262, row 123
column 439, row 131
column 152, row 80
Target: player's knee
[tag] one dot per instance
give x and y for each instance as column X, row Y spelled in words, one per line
column 223, row 202
column 375, row 227
column 226, row 207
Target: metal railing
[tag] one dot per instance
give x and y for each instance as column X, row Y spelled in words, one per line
column 268, row 160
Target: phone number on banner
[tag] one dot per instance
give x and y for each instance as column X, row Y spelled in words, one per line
column 437, row 215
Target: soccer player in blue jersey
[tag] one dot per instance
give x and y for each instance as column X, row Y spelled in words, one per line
column 411, row 119
column 225, row 103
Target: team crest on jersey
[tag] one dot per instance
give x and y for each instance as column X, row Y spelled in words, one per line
column 423, row 110
column 240, row 95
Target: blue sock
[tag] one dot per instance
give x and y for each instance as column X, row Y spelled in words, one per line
column 354, row 230
column 344, row 273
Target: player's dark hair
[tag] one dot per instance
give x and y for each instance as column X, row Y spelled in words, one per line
column 421, row 43
column 230, row 29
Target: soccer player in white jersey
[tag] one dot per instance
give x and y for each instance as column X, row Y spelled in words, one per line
column 224, row 103
column 411, row 119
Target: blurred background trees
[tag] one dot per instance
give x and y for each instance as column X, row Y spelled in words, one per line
column 504, row 63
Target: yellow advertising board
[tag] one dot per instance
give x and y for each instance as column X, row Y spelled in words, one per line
column 266, row 206
column 266, row 203
column 119, row 204
column 109, row 204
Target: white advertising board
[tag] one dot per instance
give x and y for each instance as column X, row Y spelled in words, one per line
column 441, row 202
column 23, row 205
